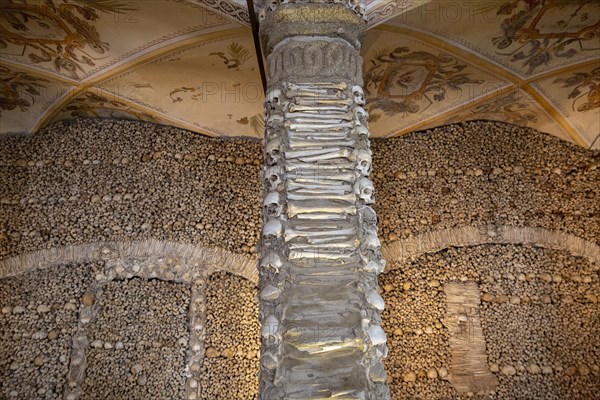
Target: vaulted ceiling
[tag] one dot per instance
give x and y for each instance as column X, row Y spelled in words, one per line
column 191, row 63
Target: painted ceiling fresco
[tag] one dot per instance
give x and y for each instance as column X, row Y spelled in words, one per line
column 192, row 64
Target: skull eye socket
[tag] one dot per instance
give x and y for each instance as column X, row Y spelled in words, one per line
column 273, row 178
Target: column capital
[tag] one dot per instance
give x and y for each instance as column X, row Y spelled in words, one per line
column 310, row 18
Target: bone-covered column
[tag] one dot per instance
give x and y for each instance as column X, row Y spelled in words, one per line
column 320, row 306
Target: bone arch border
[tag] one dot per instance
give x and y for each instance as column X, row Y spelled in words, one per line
column 433, row 242
column 200, row 260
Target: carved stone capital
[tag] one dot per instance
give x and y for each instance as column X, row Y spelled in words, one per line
column 331, row 20
column 315, row 61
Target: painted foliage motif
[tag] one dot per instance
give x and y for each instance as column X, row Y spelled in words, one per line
column 57, row 32
column 98, row 105
column 535, row 31
column 401, row 81
column 236, row 56
column 19, row 89
column 585, row 93
column 512, row 108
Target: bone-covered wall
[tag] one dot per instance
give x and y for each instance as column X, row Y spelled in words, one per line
column 509, row 209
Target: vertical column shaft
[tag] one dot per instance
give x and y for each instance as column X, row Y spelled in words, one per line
column 321, row 333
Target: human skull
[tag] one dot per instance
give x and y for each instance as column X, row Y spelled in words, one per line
column 376, row 266
column 365, row 190
column 360, row 115
column 375, row 300
column 270, row 293
column 274, row 98
column 361, row 131
column 269, row 362
column 367, row 215
column 272, row 205
column 270, row 329
column 359, row 95
column 271, row 5
column 377, row 335
column 272, row 229
column 271, row 261
column 273, row 151
column 363, row 161
column 370, row 241
column 273, row 177
column 275, row 119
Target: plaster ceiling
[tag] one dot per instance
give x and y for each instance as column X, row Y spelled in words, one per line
column 191, row 63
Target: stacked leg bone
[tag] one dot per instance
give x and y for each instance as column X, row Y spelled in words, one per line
column 320, row 253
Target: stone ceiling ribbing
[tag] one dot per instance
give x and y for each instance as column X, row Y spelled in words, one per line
column 191, row 63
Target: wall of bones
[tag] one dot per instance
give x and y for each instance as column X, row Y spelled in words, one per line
column 128, row 266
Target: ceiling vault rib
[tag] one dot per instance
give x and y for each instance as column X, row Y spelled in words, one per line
column 40, row 72
column 487, row 64
column 556, row 115
column 51, row 111
column 63, row 101
column 91, row 84
column 562, row 70
column 442, row 116
column 594, row 141
column 378, row 6
column 450, row 47
column 162, row 51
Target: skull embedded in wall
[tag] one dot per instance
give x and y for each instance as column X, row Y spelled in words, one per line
column 270, row 330
column 375, row 300
column 360, row 115
column 273, row 177
column 272, row 205
column 376, row 266
column 275, row 119
column 273, row 151
column 365, row 190
column 274, row 98
column 354, row 5
column 272, row 229
column 363, row 161
column 359, row 95
column 270, row 293
column 367, row 215
column 369, row 240
column 268, row 361
column 271, row 5
column 271, row 261
column 361, row 130
column 377, row 335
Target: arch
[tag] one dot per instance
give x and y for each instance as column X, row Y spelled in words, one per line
column 197, row 259
column 432, row 242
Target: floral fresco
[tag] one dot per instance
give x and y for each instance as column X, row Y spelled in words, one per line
column 55, row 32
column 534, row 31
column 575, row 94
column 100, row 105
column 19, row 89
column 512, row 108
column 236, row 56
column 585, row 89
column 181, row 62
column 409, row 82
